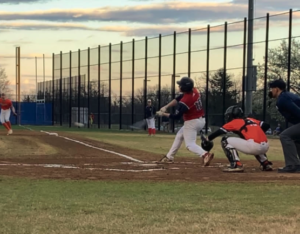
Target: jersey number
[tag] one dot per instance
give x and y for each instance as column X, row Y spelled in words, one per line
column 198, row 104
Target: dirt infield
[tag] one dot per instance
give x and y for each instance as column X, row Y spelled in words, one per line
column 38, row 155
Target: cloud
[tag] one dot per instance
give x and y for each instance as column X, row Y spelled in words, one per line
column 15, row 42
column 11, row 2
column 155, row 13
column 273, row 5
column 66, row 40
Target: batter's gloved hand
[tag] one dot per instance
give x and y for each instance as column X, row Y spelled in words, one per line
column 159, row 113
column 163, row 109
column 206, row 144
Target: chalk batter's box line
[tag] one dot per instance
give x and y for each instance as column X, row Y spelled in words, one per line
column 87, row 145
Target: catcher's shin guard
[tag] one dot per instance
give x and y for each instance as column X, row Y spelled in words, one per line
column 231, row 153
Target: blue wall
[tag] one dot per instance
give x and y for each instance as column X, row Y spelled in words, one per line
column 33, row 113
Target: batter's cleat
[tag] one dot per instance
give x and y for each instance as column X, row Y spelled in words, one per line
column 207, row 157
column 234, row 169
column 165, row 159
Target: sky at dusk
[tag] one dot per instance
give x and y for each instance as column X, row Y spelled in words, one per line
column 50, row 26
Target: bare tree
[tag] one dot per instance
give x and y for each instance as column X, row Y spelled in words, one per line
column 4, row 82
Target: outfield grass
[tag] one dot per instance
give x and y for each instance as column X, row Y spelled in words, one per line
column 49, row 206
column 159, row 144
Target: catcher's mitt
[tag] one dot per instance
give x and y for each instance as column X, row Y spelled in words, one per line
column 205, row 144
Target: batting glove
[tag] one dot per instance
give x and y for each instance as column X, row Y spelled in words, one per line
column 159, row 113
column 163, row 109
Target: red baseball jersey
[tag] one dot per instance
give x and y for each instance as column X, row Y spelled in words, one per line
column 251, row 131
column 5, row 104
column 194, row 104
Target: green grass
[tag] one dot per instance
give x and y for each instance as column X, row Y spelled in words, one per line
column 49, row 206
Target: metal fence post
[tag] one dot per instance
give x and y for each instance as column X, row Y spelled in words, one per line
column 70, row 87
column 289, row 50
column 224, row 71
column 109, row 90
column 244, row 64
column 132, row 92
column 121, row 84
column 146, row 75
column 207, row 78
column 173, row 77
column 60, row 91
column 89, row 85
column 159, row 79
column 79, row 87
column 53, row 99
column 189, row 52
column 99, row 74
column 266, row 68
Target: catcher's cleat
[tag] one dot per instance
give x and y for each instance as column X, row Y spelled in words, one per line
column 165, row 159
column 235, row 168
column 267, row 166
column 207, row 157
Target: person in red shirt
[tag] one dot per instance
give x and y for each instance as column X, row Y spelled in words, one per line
column 190, row 107
column 92, row 116
column 6, row 107
column 252, row 141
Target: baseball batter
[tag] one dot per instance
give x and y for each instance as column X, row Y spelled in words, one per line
column 6, row 107
column 252, row 141
column 150, row 118
column 190, row 107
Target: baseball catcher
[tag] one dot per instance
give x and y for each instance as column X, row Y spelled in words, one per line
column 190, row 107
column 252, row 141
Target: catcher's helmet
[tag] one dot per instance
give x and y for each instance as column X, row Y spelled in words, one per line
column 233, row 112
column 186, row 84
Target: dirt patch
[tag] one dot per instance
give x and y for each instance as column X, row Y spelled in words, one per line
column 58, row 158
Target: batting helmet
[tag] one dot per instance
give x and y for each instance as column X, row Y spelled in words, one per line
column 186, row 84
column 233, row 112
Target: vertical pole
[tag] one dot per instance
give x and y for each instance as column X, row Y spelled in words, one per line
column 79, row 88
column 70, row 87
column 53, row 99
column 159, row 79
column 60, row 92
column 19, row 84
column 36, row 90
column 189, row 52
column 99, row 74
column 289, row 50
column 207, row 78
column 89, row 84
column 244, row 64
column 224, row 71
column 266, row 68
column 146, row 75
column 44, row 81
column 109, row 90
column 121, row 83
column 289, row 56
column 248, row 108
column 132, row 92
column 173, row 77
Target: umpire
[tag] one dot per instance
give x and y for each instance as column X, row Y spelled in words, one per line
column 288, row 104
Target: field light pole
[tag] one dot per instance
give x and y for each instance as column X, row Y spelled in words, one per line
column 249, row 77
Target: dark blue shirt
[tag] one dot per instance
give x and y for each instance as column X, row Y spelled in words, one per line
column 150, row 112
column 288, row 104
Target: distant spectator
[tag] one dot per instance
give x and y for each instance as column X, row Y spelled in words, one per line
column 92, row 119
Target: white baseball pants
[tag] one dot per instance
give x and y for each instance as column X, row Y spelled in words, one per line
column 248, row 146
column 151, row 123
column 188, row 134
column 5, row 115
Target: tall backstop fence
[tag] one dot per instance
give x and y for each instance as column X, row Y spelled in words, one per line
column 114, row 82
